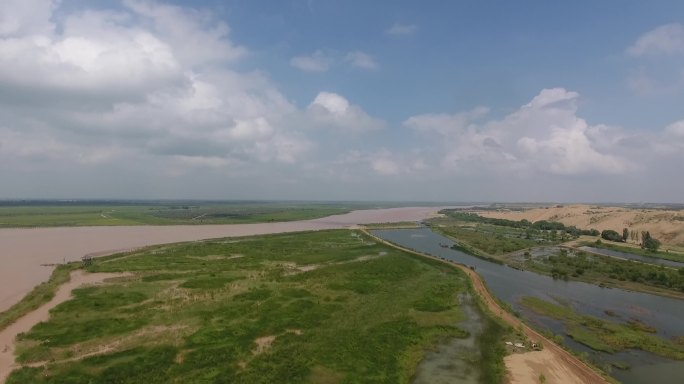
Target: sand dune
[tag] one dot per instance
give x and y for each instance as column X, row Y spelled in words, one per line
column 665, row 225
column 22, row 251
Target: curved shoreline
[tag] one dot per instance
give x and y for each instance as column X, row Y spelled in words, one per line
column 27, row 254
column 557, row 364
column 42, row 313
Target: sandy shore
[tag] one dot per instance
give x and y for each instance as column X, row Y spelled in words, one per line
column 25, row 323
column 22, row 251
column 529, row 367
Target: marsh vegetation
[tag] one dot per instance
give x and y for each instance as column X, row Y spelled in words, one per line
column 604, row 335
column 319, row 307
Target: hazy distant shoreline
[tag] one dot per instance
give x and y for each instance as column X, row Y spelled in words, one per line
column 25, row 249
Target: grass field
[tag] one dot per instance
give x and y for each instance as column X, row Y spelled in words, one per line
column 603, row 335
column 162, row 213
column 316, row 307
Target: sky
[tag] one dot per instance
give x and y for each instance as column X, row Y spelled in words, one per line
column 578, row 101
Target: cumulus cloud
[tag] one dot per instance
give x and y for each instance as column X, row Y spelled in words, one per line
column 316, row 62
column 361, row 60
column 665, row 39
column 332, row 110
column 543, row 135
column 398, row 29
column 144, row 80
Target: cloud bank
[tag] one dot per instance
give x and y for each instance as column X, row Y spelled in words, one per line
column 153, row 100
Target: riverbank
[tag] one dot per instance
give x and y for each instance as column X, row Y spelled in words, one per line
column 28, row 255
column 555, row 363
column 319, row 306
column 603, row 276
column 42, row 313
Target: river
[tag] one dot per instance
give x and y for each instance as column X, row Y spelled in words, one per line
column 510, row 285
column 632, row 256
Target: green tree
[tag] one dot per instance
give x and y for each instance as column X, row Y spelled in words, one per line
column 651, row 244
column 625, row 234
column 611, row 235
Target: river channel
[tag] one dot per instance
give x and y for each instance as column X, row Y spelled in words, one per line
column 510, row 285
column 631, row 256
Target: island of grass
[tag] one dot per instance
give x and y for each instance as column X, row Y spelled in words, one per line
column 314, row 307
column 607, row 336
column 491, row 239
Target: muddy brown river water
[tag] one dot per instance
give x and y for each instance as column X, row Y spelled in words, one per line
column 25, row 251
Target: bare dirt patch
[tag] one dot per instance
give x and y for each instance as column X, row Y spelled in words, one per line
column 25, row 323
column 263, row 344
column 529, row 367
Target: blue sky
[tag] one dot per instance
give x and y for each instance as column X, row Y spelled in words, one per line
column 367, row 100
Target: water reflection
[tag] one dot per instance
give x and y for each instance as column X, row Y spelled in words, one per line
column 510, row 285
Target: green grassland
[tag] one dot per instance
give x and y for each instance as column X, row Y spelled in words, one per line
column 163, row 213
column 606, row 336
column 314, row 307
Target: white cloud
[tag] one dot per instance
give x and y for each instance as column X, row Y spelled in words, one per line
column 21, row 17
column 355, row 165
column 445, row 124
column 544, row 135
column 145, row 81
column 676, row 129
column 316, row 62
column 666, row 39
column 197, row 37
column 321, row 61
column 361, row 60
column 398, row 29
column 333, row 110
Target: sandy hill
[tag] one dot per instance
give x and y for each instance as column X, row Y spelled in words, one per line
column 665, row 225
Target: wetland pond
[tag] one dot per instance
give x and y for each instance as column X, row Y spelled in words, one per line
column 452, row 359
column 510, row 285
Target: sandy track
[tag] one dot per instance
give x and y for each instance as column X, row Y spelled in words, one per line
column 22, row 251
column 26, row 322
column 558, row 365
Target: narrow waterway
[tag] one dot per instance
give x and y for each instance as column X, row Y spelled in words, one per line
column 510, row 285
column 631, row 256
column 453, row 360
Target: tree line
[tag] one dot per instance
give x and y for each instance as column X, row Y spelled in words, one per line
column 648, row 242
